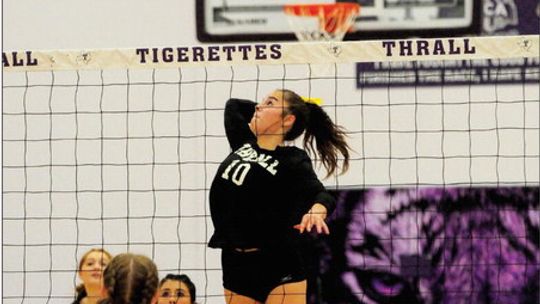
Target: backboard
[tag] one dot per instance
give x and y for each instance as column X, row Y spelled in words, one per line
column 265, row 20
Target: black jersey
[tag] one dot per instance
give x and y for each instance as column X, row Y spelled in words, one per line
column 258, row 195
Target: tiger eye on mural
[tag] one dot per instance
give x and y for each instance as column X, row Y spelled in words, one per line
column 432, row 245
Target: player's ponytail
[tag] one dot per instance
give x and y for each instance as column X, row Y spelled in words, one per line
column 130, row 279
column 329, row 137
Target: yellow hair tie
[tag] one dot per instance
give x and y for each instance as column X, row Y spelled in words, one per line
column 313, row 100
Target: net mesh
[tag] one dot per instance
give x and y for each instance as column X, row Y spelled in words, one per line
column 123, row 158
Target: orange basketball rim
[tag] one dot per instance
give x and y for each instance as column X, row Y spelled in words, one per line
column 334, row 19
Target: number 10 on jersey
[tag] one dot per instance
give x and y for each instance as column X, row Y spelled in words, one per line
column 238, row 174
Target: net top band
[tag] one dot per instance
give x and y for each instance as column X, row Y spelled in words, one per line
column 460, row 48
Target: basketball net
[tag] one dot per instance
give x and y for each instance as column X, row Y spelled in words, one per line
column 321, row 22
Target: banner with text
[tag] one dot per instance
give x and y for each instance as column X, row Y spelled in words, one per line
column 499, row 17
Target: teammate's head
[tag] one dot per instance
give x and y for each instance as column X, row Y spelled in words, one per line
column 90, row 271
column 176, row 289
column 130, row 279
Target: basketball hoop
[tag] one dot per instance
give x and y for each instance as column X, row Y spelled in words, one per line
column 323, row 21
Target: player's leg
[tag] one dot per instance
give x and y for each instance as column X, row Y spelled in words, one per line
column 290, row 293
column 234, row 298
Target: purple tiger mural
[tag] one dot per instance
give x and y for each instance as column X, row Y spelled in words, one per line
column 431, row 245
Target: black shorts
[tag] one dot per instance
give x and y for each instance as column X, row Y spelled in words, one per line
column 255, row 274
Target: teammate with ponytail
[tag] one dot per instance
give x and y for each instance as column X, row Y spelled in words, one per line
column 130, row 279
column 266, row 194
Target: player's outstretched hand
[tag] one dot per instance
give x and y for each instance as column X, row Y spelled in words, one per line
column 314, row 219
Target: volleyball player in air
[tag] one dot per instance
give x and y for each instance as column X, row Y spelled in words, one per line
column 265, row 195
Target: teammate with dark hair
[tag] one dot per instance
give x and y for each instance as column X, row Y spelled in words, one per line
column 176, row 289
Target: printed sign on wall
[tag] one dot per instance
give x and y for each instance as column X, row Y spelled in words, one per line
column 499, row 17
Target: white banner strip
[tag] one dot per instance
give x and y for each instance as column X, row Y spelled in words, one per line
column 462, row 48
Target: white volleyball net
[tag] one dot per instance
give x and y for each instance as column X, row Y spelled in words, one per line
column 117, row 149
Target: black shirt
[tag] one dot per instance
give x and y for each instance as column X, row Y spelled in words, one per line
column 258, row 195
